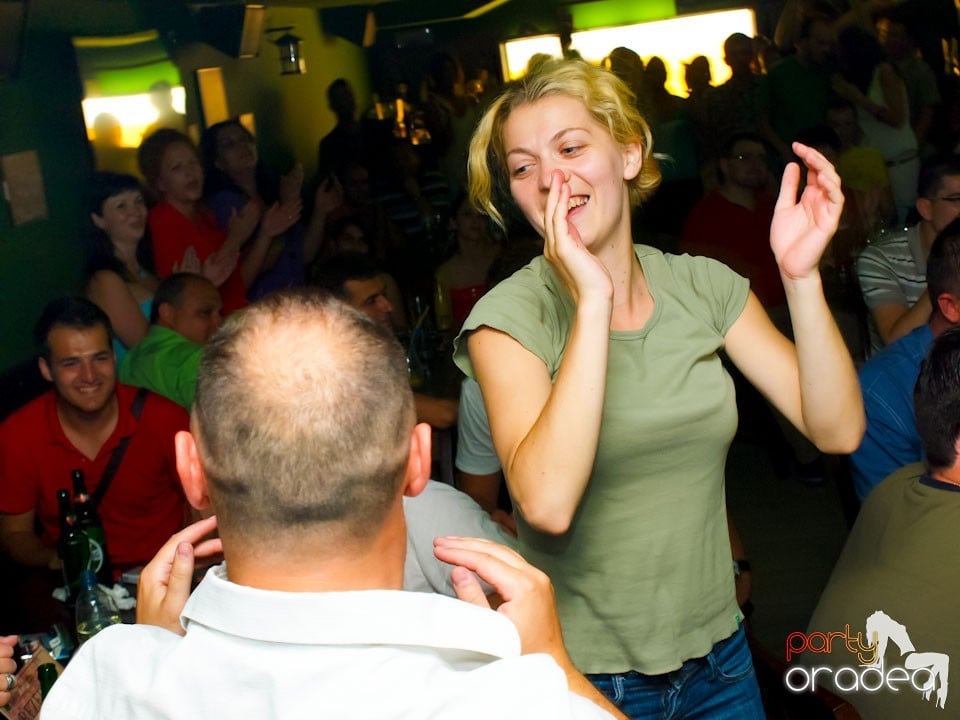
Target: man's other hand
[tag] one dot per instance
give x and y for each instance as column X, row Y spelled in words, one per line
column 527, row 593
column 165, row 581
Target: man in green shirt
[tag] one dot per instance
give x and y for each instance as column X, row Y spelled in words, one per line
column 186, row 312
column 793, row 95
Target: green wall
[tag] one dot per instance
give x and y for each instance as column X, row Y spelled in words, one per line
column 40, row 110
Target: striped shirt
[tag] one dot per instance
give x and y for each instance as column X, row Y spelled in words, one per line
column 892, row 271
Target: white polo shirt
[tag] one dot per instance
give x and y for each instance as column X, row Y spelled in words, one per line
column 262, row 654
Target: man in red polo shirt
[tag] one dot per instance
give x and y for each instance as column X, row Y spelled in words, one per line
column 732, row 223
column 78, row 425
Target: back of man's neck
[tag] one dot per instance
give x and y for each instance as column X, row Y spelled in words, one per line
column 950, row 475
column 938, row 324
column 319, row 566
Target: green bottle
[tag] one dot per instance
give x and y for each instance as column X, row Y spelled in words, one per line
column 47, row 675
column 72, row 546
column 91, row 525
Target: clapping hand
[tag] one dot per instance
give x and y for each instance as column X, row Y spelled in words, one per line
column 328, row 198
column 190, row 262
column 802, row 228
column 280, row 216
column 241, row 224
column 220, row 265
column 216, row 268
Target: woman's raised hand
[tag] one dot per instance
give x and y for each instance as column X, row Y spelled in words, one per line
column 328, row 198
column 802, row 228
column 280, row 216
column 582, row 273
column 220, row 265
column 241, row 225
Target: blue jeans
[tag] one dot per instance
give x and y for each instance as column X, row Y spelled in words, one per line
column 720, row 686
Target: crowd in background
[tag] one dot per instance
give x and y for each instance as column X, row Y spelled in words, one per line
column 388, row 223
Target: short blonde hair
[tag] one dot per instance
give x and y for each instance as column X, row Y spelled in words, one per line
column 606, row 98
column 303, row 413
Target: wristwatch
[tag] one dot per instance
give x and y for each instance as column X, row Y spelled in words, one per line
column 741, row 566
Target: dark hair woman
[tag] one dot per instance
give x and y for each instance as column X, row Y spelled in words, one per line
column 120, row 273
column 235, row 176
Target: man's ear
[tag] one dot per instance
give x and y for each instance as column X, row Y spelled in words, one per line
column 44, row 369
column 949, row 306
column 166, row 313
column 723, row 164
column 192, row 477
column 632, row 160
column 925, row 208
column 417, row 474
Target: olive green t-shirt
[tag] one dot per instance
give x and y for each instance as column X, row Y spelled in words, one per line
column 644, row 576
column 901, row 559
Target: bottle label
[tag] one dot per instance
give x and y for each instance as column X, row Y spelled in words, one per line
column 96, row 555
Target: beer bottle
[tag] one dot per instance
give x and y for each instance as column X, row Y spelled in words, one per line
column 72, row 546
column 92, row 527
column 47, row 676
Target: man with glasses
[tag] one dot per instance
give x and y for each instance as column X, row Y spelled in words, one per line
column 892, row 269
column 732, row 223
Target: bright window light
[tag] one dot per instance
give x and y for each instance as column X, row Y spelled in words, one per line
column 134, row 113
column 515, row 54
column 677, row 40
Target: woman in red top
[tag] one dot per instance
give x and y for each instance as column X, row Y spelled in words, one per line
column 185, row 234
column 463, row 277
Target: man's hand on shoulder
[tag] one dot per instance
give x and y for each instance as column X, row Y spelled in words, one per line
column 528, row 600
column 527, row 593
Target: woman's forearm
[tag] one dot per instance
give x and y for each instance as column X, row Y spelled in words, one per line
column 548, row 455
column 831, row 402
column 251, row 262
column 313, row 237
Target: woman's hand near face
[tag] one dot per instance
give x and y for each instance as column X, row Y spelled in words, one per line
column 581, row 271
column 802, row 228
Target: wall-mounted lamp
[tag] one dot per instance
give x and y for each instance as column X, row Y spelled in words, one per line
column 291, row 59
